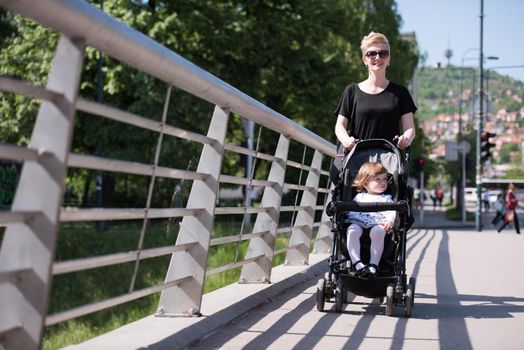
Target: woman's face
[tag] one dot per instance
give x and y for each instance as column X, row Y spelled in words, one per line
column 377, row 57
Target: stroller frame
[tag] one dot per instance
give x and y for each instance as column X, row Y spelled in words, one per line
column 391, row 282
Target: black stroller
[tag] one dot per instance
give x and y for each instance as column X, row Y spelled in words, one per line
column 391, row 280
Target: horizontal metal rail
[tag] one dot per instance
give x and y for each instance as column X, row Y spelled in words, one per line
column 243, row 181
column 136, row 120
column 20, row 87
column 239, row 210
column 288, row 186
column 293, row 208
column 18, row 153
column 297, row 165
column 90, row 308
column 17, row 216
column 248, row 152
column 70, row 214
column 236, row 238
column 99, row 163
column 75, row 265
column 232, row 266
column 10, row 275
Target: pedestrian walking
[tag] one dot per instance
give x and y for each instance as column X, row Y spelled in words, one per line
column 416, row 198
column 485, row 200
column 511, row 210
column 500, row 209
column 433, row 196
column 440, row 195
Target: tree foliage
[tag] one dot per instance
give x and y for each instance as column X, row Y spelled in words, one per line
column 294, row 56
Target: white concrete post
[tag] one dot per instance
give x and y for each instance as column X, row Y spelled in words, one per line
column 30, row 246
column 300, row 241
column 185, row 298
column 259, row 271
column 324, row 240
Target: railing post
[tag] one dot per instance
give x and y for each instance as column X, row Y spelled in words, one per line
column 185, row 298
column 300, row 241
column 259, row 271
column 324, row 236
column 30, row 246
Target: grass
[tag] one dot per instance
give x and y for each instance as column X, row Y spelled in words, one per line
column 84, row 287
column 455, row 214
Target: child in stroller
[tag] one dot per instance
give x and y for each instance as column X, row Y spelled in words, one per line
column 371, row 182
column 390, row 280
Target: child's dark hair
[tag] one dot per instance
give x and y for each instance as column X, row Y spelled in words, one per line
column 367, row 172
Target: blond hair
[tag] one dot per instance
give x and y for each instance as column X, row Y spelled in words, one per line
column 371, row 39
column 366, row 173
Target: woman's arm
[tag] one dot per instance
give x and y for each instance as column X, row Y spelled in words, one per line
column 342, row 134
column 408, row 127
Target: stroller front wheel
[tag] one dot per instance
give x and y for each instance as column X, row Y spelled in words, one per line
column 389, row 299
column 409, row 299
column 339, row 296
column 321, row 294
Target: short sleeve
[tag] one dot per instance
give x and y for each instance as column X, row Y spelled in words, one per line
column 344, row 105
column 406, row 103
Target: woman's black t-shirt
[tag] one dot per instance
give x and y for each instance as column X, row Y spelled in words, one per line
column 375, row 115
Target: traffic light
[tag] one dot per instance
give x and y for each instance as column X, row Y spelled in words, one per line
column 419, row 164
column 486, row 146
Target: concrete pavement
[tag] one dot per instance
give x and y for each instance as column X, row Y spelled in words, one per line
column 436, row 218
column 469, row 295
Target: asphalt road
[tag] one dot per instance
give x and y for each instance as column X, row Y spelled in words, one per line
column 469, row 295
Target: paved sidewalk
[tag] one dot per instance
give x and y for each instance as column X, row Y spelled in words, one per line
column 437, row 219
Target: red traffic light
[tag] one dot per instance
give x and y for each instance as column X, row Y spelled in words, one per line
column 421, row 161
column 486, row 136
column 485, row 146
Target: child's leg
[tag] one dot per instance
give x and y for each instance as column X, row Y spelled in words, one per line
column 353, row 244
column 376, row 234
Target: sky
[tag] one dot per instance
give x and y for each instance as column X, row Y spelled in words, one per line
column 455, row 24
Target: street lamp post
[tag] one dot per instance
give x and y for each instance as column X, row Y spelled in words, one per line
column 478, row 214
column 462, row 85
column 461, row 194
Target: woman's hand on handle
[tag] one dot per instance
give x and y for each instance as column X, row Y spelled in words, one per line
column 402, row 141
column 349, row 143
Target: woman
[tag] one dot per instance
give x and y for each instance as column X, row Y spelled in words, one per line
column 375, row 107
column 511, row 209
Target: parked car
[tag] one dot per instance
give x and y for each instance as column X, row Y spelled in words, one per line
column 470, row 194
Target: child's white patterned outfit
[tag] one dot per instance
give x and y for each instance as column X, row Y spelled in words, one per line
column 370, row 219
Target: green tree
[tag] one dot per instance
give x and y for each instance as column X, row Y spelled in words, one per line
column 294, row 56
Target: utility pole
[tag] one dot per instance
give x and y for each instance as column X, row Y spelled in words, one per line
column 478, row 216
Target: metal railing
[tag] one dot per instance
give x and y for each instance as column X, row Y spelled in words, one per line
column 27, row 255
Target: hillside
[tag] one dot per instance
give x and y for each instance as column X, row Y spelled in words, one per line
column 438, row 91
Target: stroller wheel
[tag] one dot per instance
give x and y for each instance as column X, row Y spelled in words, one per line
column 389, row 299
column 321, row 294
column 339, row 296
column 410, row 298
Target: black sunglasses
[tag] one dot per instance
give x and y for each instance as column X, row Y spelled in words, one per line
column 381, row 53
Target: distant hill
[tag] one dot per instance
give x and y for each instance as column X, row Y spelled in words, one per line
column 438, row 90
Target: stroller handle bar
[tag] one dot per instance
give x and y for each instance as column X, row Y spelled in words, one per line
column 334, row 207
